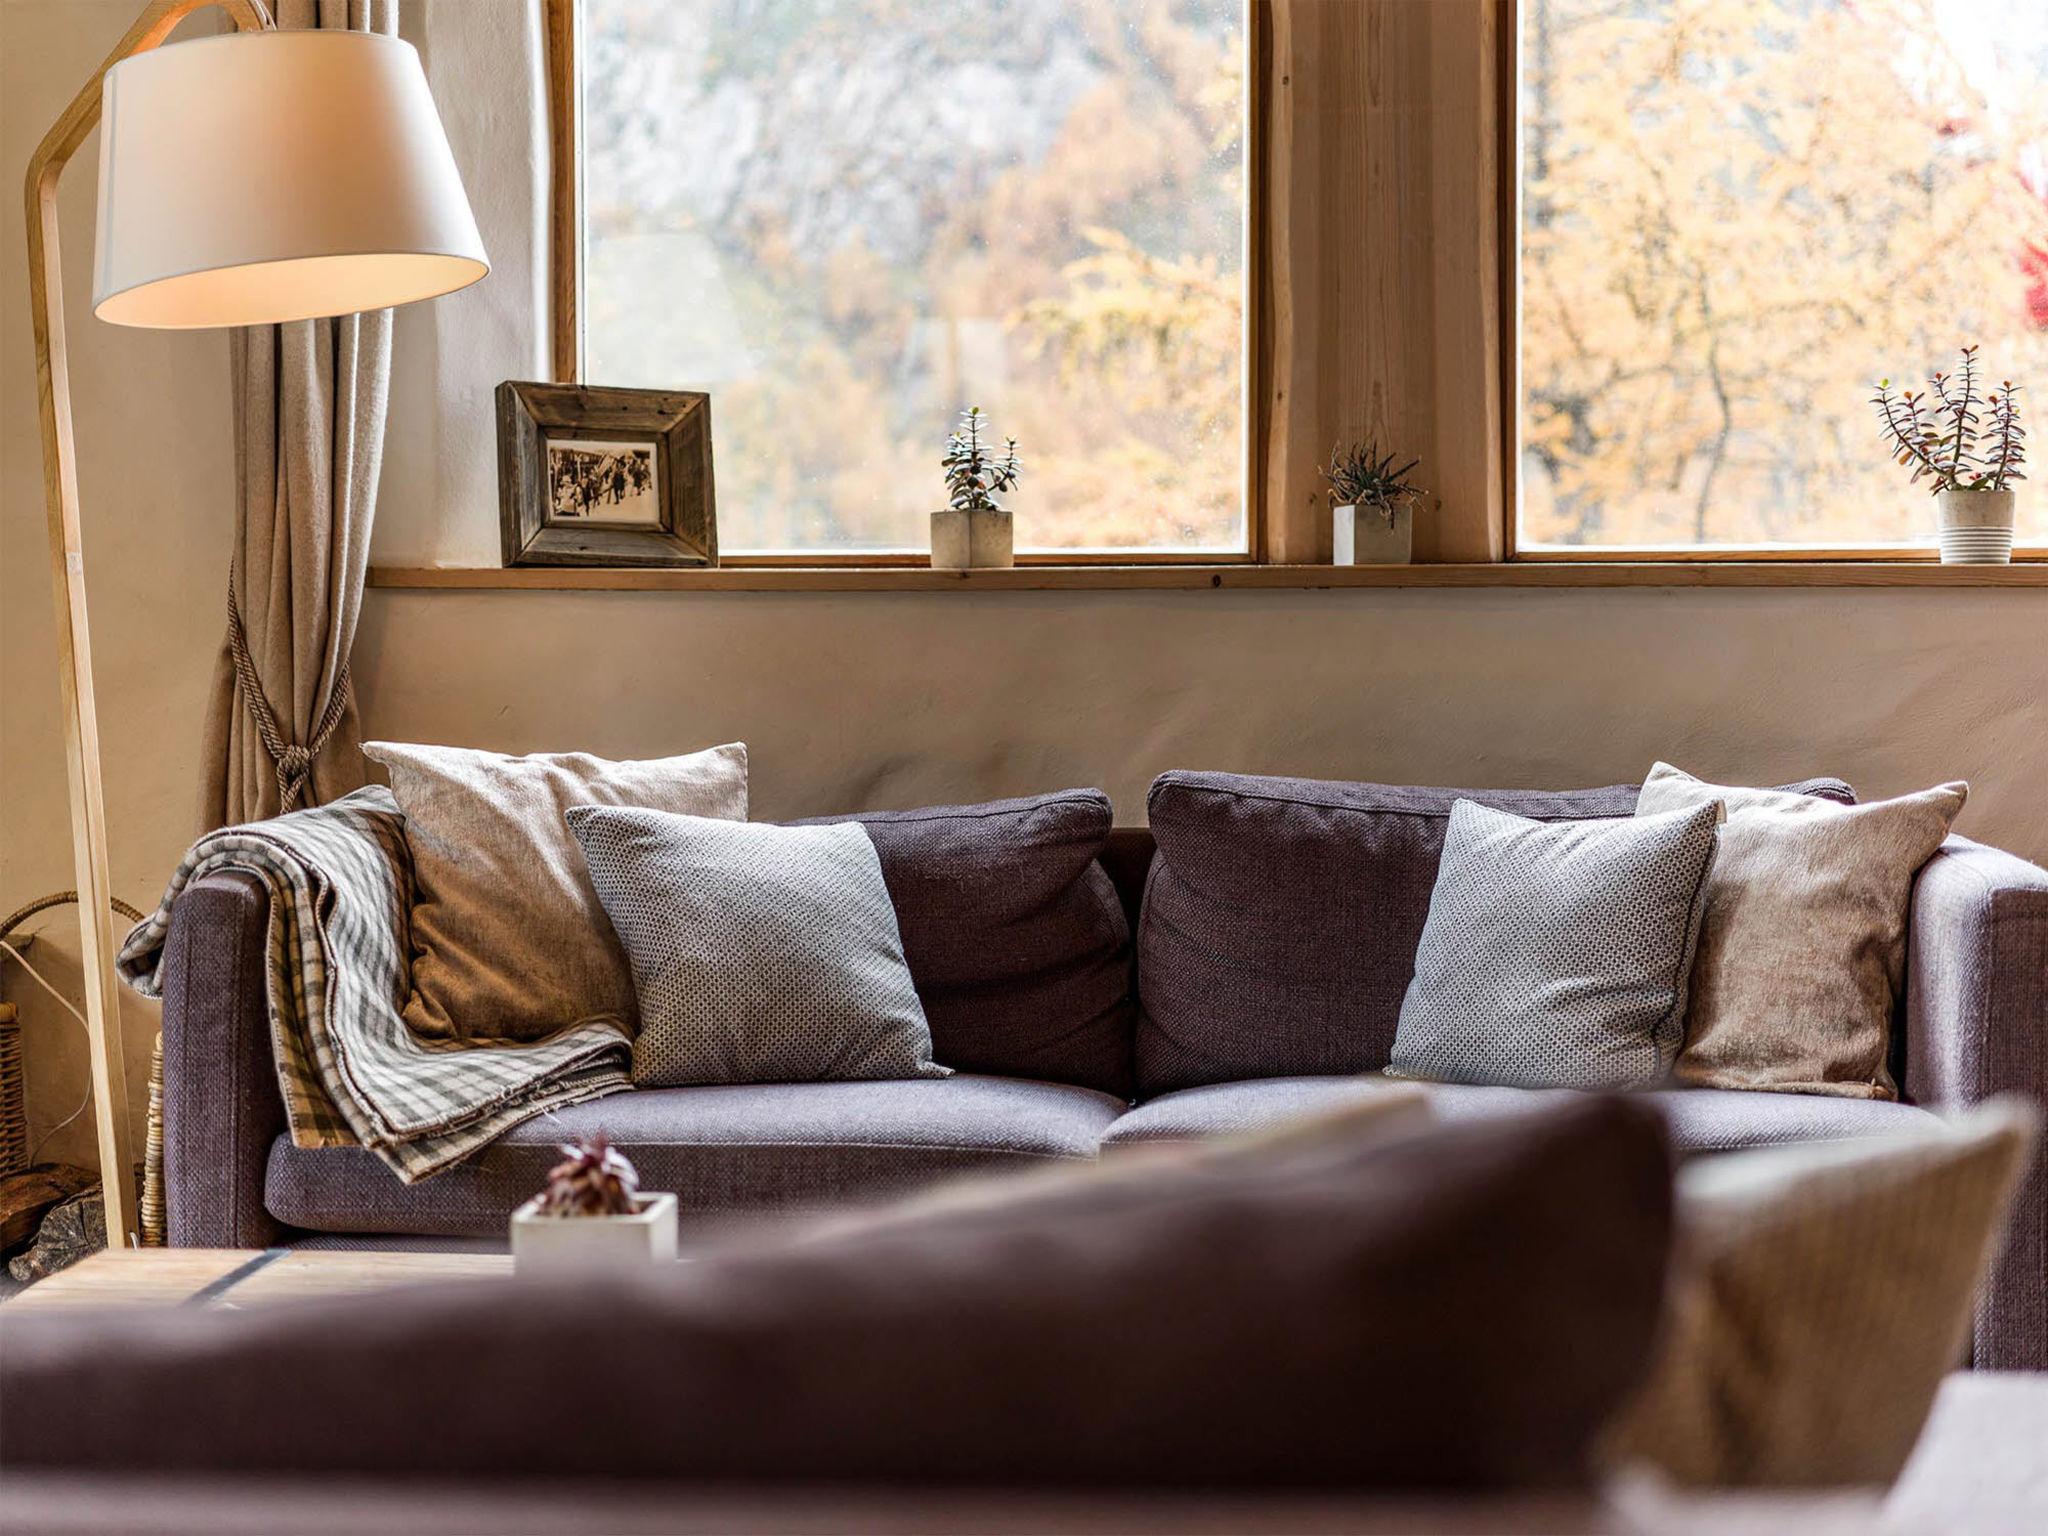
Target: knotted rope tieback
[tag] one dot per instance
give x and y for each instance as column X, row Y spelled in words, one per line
column 294, row 762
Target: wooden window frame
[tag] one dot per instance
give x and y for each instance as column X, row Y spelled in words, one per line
column 1296, row 317
column 562, row 28
column 1510, row 362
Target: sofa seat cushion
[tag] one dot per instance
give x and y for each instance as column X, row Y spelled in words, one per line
column 1700, row 1119
column 723, row 1151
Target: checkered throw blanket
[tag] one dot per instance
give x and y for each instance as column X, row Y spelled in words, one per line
column 351, row 1072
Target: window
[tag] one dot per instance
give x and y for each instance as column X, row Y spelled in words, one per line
column 1738, row 215
column 849, row 219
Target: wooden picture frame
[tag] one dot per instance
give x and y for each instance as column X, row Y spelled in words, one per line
column 596, row 476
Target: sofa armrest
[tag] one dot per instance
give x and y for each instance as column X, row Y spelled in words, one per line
column 1977, row 1025
column 222, row 1108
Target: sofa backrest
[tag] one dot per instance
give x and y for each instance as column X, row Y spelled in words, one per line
column 1128, row 858
column 1281, row 916
column 1015, row 939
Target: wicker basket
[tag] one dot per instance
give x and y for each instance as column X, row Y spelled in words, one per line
column 150, row 1214
column 13, row 1099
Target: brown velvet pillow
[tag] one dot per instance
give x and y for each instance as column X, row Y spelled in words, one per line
column 1458, row 1308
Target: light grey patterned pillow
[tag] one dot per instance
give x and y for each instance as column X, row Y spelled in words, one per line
column 1556, row 953
column 761, row 954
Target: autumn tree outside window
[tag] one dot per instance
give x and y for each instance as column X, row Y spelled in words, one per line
column 1737, row 215
column 1719, row 223
column 849, row 219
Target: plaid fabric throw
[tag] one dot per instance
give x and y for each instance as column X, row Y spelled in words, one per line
column 351, row 1072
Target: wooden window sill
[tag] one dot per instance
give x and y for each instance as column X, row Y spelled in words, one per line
column 1039, row 578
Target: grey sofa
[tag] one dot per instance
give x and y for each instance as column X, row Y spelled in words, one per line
column 1266, row 928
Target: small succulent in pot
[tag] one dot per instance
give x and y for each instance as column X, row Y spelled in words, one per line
column 1361, row 476
column 594, row 1178
column 973, row 473
column 1949, row 439
column 1372, row 505
column 592, row 1212
column 1968, row 441
column 975, row 531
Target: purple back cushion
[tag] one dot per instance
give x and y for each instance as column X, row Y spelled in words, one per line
column 1282, row 916
column 1014, row 935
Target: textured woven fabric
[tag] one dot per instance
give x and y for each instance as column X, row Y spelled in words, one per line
column 1303, row 1316
column 508, row 939
column 1556, row 956
column 1802, row 952
column 1282, row 915
column 1820, row 1295
column 1700, row 1120
column 761, row 954
column 349, row 1069
column 222, row 1109
column 1976, row 1026
column 1015, row 936
column 723, row 1152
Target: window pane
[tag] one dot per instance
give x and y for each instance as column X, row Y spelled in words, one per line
column 850, row 219
column 1739, row 215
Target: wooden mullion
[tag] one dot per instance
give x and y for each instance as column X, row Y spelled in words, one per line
column 565, row 201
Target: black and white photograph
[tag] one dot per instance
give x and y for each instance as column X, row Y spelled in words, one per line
column 604, row 482
column 597, row 475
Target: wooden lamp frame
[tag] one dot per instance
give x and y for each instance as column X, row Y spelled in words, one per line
column 67, row 556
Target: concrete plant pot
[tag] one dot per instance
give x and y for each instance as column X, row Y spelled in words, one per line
column 555, row 1243
column 976, row 541
column 1975, row 526
column 1368, row 536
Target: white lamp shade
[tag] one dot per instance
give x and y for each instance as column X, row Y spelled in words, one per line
column 260, row 177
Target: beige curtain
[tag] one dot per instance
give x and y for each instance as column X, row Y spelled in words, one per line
column 281, row 729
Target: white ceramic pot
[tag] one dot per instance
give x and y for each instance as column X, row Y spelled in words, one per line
column 1975, row 527
column 963, row 541
column 647, row 1236
column 1368, row 536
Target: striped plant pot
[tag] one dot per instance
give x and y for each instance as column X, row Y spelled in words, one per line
column 1975, row 526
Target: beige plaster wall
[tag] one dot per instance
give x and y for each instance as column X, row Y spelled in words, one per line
column 847, row 700
column 853, row 701
column 156, row 480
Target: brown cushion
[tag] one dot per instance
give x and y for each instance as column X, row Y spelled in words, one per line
column 1282, row 918
column 1819, row 1297
column 1456, row 1308
column 509, row 941
column 1803, row 949
column 1015, row 938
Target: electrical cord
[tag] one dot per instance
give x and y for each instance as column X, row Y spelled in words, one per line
column 13, row 921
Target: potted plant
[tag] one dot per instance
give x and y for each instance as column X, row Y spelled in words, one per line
column 1971, row 445
column 1372, row 506
column 591, row 1213
column 974, row 532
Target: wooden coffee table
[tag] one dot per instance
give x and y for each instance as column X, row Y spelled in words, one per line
column 239, row 1277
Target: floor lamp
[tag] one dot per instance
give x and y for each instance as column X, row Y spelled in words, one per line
column 252, row 178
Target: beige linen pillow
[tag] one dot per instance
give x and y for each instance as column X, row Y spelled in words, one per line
column 1803, row 947
column 509, row 941
column 1819, row 1294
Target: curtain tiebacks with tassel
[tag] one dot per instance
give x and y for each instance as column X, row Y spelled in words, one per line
column 294, row 762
